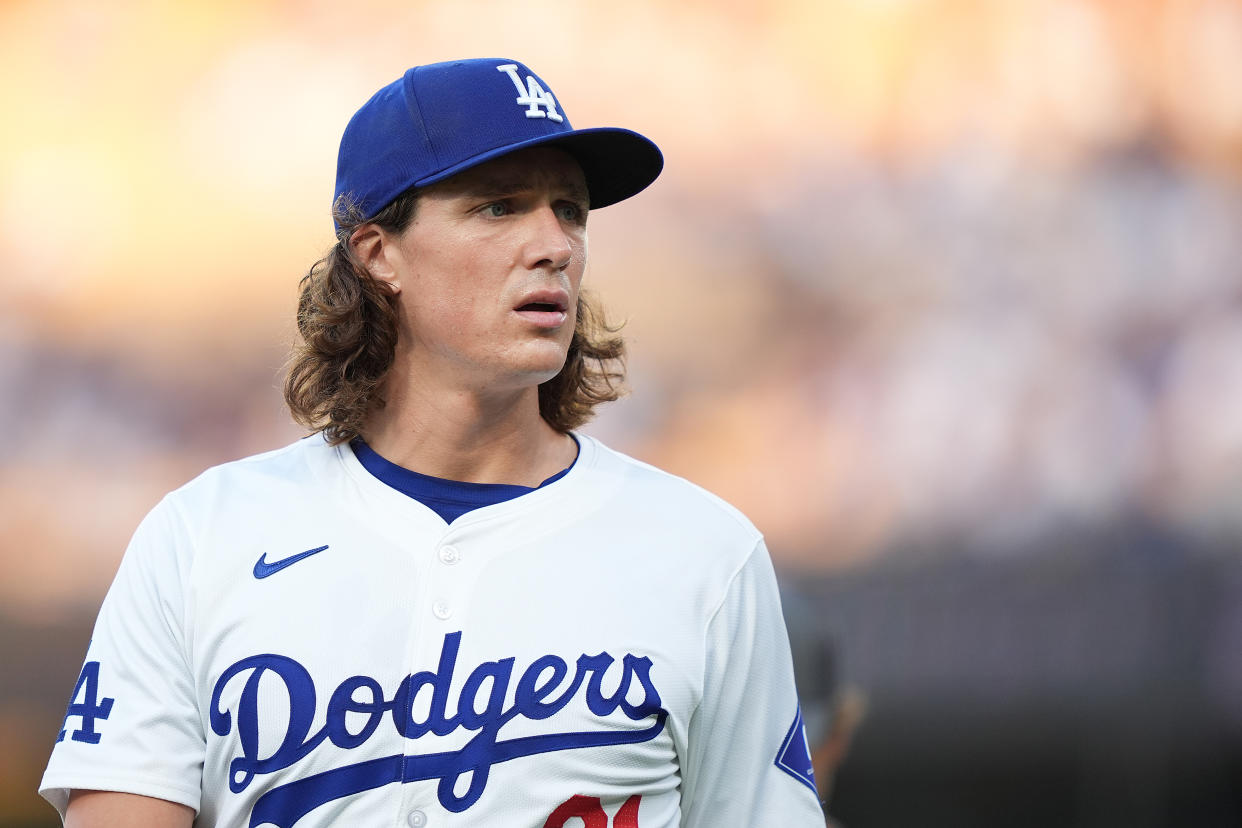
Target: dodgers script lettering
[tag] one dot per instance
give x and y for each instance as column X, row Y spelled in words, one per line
column 543, row 689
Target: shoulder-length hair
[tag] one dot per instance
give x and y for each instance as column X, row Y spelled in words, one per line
column 347, row 321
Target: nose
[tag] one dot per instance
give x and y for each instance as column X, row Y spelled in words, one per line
column 548, row 244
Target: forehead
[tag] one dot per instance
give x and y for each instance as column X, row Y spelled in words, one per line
column 536, row 168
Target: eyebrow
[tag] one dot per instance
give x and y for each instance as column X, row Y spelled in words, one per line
column 502, row 184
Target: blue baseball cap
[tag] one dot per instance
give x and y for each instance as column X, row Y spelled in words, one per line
column 440, row 119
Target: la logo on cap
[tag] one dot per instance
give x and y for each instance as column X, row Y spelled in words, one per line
column 440, row 119
column 532, row 95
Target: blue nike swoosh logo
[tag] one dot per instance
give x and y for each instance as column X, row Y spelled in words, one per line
column 262, row 568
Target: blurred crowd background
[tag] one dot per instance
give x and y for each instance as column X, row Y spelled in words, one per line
column 945, row 294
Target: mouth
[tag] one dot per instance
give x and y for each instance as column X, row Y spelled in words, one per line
column 541, row 307
column 545, row 308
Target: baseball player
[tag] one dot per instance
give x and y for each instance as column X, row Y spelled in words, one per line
column 445, row 607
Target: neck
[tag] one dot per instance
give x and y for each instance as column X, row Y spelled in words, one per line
column 469, row 436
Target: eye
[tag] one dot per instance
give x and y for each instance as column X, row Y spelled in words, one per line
column 571, row 212
column 495, row 209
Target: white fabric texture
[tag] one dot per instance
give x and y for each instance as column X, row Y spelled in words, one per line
column 290, row 641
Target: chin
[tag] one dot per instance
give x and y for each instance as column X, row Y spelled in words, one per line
column 532, row 372
column 540, row 377
column 547, row 358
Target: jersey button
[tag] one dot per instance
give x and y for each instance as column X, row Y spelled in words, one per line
column 417, row 819
column 449, row 555
column 441, row 610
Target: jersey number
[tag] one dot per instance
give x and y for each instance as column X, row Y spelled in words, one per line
column 591, row 811
column 89, row 708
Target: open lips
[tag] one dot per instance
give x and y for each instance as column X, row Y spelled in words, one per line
column 544, row 308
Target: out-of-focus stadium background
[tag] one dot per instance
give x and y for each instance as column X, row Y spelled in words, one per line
column 945, row 294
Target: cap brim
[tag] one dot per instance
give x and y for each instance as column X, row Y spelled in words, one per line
column 616, row 163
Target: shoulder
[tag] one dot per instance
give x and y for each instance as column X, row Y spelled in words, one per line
column 668, row 502
column 254, row 491
column 224, row 511
column 294, row 465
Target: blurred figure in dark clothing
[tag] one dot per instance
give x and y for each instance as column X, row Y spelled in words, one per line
column 830, row 712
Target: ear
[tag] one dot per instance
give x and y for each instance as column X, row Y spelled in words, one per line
column 372, row 246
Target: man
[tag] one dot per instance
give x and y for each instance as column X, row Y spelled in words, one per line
column 445, row 607
column 831, row 712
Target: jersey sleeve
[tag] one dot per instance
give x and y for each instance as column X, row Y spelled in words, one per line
column 132, row 723
column 748, row 761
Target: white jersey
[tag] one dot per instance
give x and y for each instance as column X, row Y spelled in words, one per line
column 290, row 641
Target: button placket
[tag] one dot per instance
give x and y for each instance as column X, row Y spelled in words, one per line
column 449, row 556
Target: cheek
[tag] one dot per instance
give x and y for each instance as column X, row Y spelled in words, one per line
column 580, row 253
column 443, row 294
column 447, row 317
column 576, row 271
column 431, row 313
